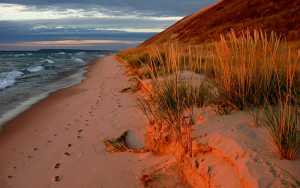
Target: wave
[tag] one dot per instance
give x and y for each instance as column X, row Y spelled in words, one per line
column 35, row 68
column 61, row 53
column 78, row 60
column 19, row 55
column 50, row 61
column 8, row 79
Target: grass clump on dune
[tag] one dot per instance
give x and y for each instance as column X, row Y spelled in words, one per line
column 170, row 102
column 253, row 67
column 282, row 122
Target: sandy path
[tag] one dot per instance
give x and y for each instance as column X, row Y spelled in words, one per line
column 66, row 131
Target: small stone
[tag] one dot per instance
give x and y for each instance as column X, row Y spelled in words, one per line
column 35, row 149
column 10, row 177
column 69, row 145
column 67, row 154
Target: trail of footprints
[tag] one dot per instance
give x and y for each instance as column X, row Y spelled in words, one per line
column 58, row 178
column 58, row 165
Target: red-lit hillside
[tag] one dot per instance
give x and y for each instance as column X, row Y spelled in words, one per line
column 281, row 16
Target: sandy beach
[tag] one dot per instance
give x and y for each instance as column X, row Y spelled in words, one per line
column 59, row 141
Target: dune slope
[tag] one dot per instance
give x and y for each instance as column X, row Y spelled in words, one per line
column 281, row 16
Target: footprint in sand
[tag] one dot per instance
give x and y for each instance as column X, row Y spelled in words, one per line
column 57, row 165
column 67, row 154
column 57, row 178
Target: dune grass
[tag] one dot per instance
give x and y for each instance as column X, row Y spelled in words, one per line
column 253, row 68
column 248, row 70
column 170, row 102
column 282, row 121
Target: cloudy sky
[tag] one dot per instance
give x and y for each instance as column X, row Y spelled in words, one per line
column 59, row 23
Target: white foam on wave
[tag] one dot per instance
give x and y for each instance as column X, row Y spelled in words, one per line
column 35, row 68
column 78, row 60
column 50, row 61
column 61, row 53
column 19, row 55
column 9, row 78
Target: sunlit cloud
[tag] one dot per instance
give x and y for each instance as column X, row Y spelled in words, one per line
column 18, row 12
column 132, row 30
column 120, row 28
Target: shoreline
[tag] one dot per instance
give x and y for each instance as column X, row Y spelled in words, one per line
column 58, row 142
column 30, row 102
column 44, row 97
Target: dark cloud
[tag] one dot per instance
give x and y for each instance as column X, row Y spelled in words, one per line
column 167, row 7
column 133, row 20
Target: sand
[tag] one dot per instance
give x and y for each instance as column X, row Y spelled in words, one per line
column 59, row 141
column 241, row 153
column 229, row 150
